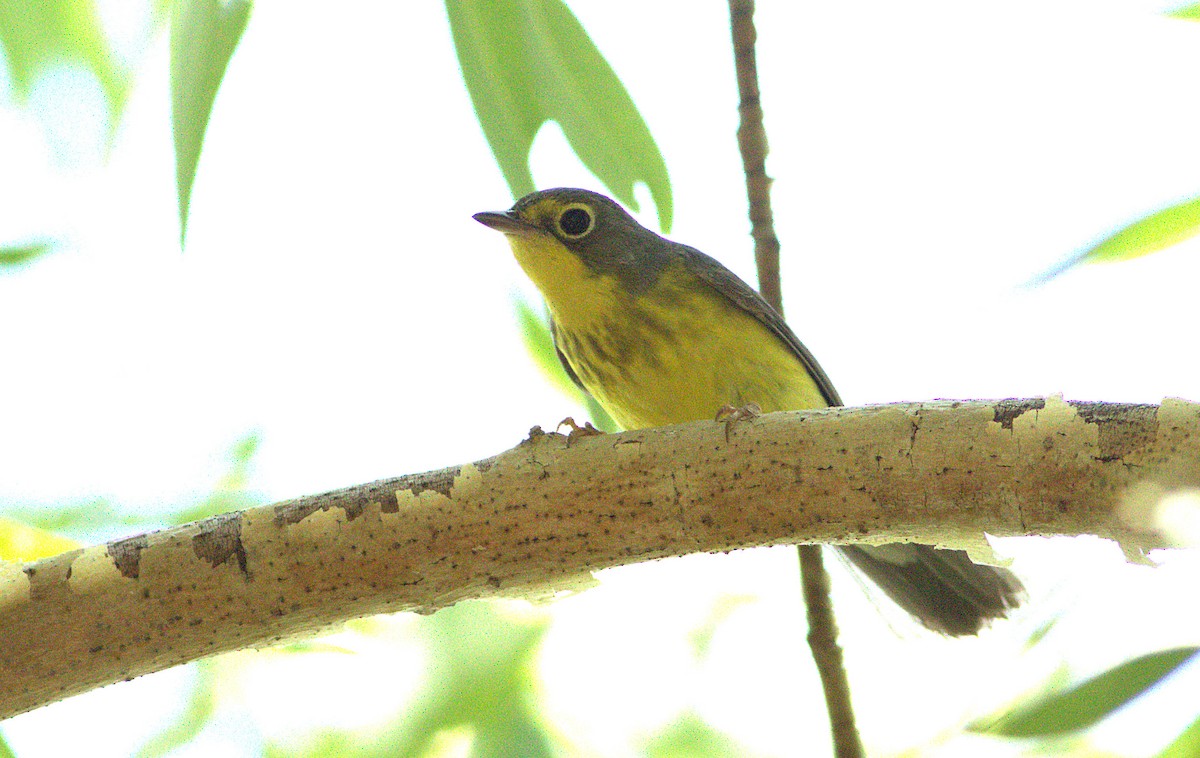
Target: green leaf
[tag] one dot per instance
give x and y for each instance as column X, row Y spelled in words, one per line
column 1191, row 12
column 526, row 62
column 197, row 714
column 692, row 737
column 204, row 34
column 1186, row 745
column 480, row 681
column 1088, row 702
column 535, row 333
column 21, row 542
column 12, row 256
column 39, row 34
column 1150, row 234
column 230, row 493
column 1159, row 230
column 5, row 750
column 86, row 521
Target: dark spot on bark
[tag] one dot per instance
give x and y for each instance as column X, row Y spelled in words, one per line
column 352, row 500
column 494, row 581
column 127, row 555
column 438, row 481
column 1123, row 427
column 295, row 511
column 1007, row 410
column 220, row 539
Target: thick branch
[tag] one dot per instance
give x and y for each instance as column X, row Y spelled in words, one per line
column 542, row 516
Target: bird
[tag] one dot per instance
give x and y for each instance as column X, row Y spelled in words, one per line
column 659, row 333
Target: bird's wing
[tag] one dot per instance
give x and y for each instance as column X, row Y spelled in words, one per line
column 563, row 359
column 743, row 296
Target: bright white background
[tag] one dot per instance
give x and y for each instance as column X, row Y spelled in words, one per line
column 336, row 296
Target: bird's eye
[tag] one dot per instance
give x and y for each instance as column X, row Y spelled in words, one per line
column 575, row 222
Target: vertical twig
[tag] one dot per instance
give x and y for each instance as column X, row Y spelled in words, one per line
column 752, row 142
column 827, row 654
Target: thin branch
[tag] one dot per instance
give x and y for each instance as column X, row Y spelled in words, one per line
column 541, row 517
column 752, row 142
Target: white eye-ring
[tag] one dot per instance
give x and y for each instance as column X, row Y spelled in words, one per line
column 576, row 221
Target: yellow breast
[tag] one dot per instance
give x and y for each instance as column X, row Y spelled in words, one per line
column 675, row 353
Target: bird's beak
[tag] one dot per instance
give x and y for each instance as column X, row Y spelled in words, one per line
column 506, row 222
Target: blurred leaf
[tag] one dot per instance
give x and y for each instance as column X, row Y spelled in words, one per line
column 21, row 542
column 1191, row 12
column 83, row 520
column 39, row 34
column 204, row 34
column 91, row 521
column 5, row 750
column 17, row 255
column 600, row 418
column 1150, row 234
column 201, row 705
column 1088, row 702
column 1039, row 633
column 481, row 674
column 724, row 607
column 535, row 333
column 692, row 737
column 480, row 681
column 526, row 62
column 1186, row 745
column 301, row 647
column 230, row 493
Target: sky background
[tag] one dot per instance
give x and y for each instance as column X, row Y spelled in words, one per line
column 336, row 297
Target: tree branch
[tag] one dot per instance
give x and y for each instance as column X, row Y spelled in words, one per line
column 752, row 144
column 814, row 579
column 542, row 516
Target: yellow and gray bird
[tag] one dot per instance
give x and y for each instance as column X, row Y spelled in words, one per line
column 660, row 333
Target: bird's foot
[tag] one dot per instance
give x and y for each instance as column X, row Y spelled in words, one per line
column 731, row 415
column 587, row 430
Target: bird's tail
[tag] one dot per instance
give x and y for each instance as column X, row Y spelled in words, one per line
column 942, row 589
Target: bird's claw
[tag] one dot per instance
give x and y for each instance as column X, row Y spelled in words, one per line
column 731, row 415
column 587, row 430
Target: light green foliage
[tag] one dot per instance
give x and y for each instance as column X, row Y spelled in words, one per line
column 480, row 681
column 197, row 714
column 96, row 519
column 1084, row 704
column 1186, row 745
column 1149, row 234
column 39, row 34
column 230, row 493
column 693, row 737
column 725, row 606
column 526, row 62
column 204, row 34
column 535, row 333
column 12, row 256
column 1191, row 12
